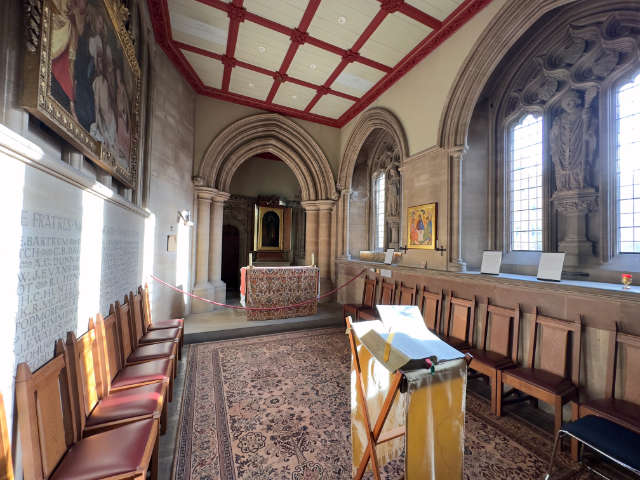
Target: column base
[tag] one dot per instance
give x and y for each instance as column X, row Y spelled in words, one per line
column 219, row 294
column 326, row 284
column 204, row 290
column 457, row 266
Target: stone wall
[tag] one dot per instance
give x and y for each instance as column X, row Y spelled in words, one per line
column 73, row 242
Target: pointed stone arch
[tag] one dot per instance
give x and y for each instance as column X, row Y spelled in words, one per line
column 272, row 133
column 373, row 119
column 511, row 22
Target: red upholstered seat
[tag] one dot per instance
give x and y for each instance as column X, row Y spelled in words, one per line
column 132, row 403
column 162, row 335
column 540, row 378
column 619, row 411
column 151, row 352
column 163, row 324
column 117, row 451
column 148, row 372
column 492, row 359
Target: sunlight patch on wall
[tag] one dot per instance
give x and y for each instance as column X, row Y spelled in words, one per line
column 182, row 258
column 90, row 260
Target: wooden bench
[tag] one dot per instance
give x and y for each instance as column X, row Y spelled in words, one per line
column 51, row 446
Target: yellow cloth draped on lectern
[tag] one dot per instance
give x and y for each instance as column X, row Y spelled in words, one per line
column 431, row 409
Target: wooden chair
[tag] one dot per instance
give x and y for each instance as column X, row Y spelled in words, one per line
column 152, row 336
column 461, row 315
column 98, row 410
column 624, row 408
column 118, row 376
column 368, row 304
column 51, row 447
column 431, row 306
column 502, row 349
column 386, row 298
column 405, row 295
column 132, row 354
column 6, row 464
column 150, row 325
column 549, row 380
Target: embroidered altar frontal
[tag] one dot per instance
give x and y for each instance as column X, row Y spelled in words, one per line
column 276, row 286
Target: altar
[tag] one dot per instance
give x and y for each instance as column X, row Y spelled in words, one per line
column 279, row 286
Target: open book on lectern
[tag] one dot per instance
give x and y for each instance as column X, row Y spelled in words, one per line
column 401, row 340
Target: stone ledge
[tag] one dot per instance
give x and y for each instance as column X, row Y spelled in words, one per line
column 573, row 287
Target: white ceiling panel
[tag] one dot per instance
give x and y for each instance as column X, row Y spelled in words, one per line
column 356, row 79
column 208, row 69
column 285, row 12
column 313, row 64
column 294, row 96
column 332, row 106
column 261, row 46
column 439, row 9
column 249, row 83
column 197, row 24
column 357, row 14
column 394, row 38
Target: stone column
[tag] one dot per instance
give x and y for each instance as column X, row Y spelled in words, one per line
column 343, row 224
column 202, row 287
column 575, row 207
column 456, row 263
column 324, row 237
column 311, row 231
column 215, row 246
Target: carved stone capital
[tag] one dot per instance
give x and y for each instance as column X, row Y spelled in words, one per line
column 198, row 181
column 576, row 201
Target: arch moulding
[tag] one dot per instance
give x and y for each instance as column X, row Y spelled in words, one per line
column 273, row 133
column 506, row 28
column 372, row 119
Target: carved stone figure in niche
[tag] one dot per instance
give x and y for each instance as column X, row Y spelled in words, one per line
column 573, row 142
column 393, row 189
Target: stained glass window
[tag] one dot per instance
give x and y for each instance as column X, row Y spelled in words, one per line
column 628, row 166
column 525, row 183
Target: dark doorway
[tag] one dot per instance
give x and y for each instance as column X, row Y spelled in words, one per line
column 231, row 257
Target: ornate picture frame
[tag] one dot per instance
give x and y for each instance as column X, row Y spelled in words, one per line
column 269, row 229
column 82, row 79
column 422, row 226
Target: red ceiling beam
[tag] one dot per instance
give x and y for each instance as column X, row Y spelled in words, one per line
column 236, row 15
column 420, row 16
column 298, row 37
column 459, row 17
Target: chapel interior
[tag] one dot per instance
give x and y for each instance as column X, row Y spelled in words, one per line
column 320, row 239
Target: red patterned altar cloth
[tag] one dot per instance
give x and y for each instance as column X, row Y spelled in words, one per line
column 275, row 286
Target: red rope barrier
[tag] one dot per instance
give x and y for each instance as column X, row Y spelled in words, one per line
column 239, row 307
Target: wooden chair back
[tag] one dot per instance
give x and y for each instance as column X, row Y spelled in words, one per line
column 124, row 325
column 502, row 329
column 135, row 317
column 405, row 295
column 624, row 358
column 386, row 293
column 85, row 373
column 552, row 346
column 46, row 417
column 6, row 464
column 143, row 292
column 461, row 319
column 431, row 306
column 109, row 341
column 369, row 292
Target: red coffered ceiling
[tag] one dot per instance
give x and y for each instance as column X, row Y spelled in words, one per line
column 320, row 60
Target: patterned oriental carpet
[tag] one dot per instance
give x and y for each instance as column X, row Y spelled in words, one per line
column 277, row 407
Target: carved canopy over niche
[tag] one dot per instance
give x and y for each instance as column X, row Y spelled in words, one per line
column 582, row 60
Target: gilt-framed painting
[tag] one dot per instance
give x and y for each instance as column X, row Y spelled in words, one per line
column 82, row 79
column 269, row 228
column 422, row 225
